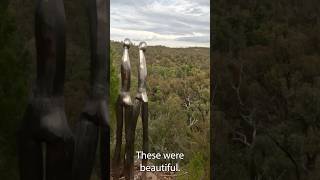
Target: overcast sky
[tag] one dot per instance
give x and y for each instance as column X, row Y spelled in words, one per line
column 173, row 23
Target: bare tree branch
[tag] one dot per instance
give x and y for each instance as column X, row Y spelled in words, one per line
column 242, row 138
column 237, row 87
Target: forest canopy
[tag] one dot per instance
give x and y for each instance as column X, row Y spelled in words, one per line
column 266, row 89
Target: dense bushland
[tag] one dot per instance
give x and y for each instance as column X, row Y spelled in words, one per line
column 266, row 89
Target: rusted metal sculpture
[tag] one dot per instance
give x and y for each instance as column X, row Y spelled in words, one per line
column 128, row 112
column 47, row 147
column 45, row 130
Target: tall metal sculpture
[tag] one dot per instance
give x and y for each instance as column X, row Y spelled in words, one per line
column 128, row 112
column 140, row 108
column 94, row 118
column 45, row 130
column 143, row 98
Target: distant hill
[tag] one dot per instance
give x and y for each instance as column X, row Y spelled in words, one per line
column 166, row 56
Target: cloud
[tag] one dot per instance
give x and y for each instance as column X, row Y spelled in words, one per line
column 198, row 39
column 161, row 21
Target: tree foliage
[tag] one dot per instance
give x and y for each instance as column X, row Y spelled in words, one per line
column 14, row 67
column 266, row 89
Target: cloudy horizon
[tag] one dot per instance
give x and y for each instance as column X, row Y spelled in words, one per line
column 172, row 23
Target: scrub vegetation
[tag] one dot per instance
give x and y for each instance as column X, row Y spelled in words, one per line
column 266, row 91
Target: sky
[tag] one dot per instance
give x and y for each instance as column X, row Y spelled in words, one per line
column 172, row 23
